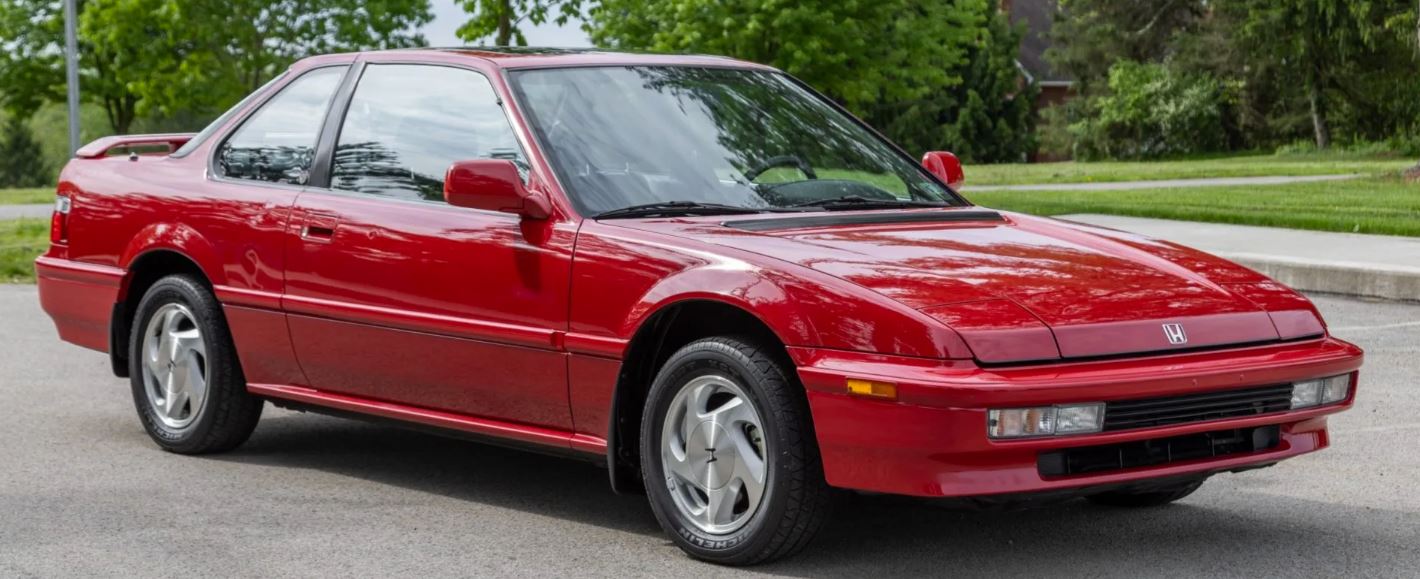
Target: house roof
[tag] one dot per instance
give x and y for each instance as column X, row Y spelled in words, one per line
column 1037, row 16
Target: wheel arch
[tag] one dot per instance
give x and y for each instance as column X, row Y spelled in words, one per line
column 668, row 328
column 143, row 270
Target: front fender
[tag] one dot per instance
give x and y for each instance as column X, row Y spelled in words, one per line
column 744, row 287
column 622, row 277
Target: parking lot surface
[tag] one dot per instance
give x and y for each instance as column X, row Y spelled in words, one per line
column 83, row 492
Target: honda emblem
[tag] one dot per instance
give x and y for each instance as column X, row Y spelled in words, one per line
column 1174, row 332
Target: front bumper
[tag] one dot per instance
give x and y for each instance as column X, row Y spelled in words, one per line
column 932, row 442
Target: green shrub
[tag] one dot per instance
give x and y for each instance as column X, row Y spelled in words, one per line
column 1151, row 112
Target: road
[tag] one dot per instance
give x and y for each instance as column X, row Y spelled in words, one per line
column 83, row 492
column 33, row 211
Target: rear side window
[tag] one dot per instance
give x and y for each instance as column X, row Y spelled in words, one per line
column 278, row 142
column 407, row 123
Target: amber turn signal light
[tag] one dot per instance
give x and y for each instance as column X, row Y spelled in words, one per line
column 870, row 388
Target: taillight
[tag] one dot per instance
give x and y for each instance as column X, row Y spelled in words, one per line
column 59, row 222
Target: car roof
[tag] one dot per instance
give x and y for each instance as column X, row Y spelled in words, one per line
column 547, row 57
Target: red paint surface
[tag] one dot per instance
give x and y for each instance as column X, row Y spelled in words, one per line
column 517, row 327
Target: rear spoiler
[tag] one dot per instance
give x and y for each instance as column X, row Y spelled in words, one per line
column 101, row 147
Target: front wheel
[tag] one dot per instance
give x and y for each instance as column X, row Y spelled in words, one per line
column 728, row 453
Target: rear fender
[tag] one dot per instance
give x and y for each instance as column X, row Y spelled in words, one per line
column 174, row 237
column 156, row 238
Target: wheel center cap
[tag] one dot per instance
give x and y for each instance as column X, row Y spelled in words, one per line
column 715, row 454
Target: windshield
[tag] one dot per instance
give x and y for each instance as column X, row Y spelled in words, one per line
column 621, row 137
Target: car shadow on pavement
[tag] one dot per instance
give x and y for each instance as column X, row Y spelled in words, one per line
column 1219, row 531
column 460, row 469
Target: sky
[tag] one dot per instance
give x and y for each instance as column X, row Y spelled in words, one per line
column 448, row 17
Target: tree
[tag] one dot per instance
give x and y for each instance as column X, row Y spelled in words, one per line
column 1323, row 70
column 31, row 30
column 991, row 117
column 502, row 19
column 162, row 57
column 1327, row 47
column 899, row 64
column 21, row 160
column 1091, row 35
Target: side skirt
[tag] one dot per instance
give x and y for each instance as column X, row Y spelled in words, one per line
column 483, row 430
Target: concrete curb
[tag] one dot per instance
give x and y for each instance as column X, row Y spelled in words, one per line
column 1352, row 264
column 1351, row 279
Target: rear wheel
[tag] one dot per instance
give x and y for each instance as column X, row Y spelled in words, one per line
column 1151, row 498
column 187, row 385
column 729, row 459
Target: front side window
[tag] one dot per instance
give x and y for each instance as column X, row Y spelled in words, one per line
column 278, row 142
column 622, row 137
column 407, row 124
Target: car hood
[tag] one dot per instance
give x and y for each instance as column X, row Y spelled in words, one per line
column 1024, row 288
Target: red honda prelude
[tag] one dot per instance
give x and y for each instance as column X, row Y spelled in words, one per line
column 693, row 270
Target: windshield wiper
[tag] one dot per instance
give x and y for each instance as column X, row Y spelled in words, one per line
column 676, row 208
column 860, row 202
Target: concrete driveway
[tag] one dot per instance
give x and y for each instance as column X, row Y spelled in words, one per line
column 83, row 492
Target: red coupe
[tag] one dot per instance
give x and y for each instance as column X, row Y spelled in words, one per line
column 695, row 271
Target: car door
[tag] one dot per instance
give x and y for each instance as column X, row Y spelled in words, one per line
column 394, row 295
column 256, row 172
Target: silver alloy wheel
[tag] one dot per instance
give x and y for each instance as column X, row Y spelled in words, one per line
column 174, row 365
column 712, row 454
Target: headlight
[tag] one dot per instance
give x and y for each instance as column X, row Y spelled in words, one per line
column 1044, row 420
column 1308, row 393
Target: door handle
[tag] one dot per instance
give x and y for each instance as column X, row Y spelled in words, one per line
column 319, row 227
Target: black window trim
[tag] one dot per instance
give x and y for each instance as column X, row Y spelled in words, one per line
column 213, row 170
column 340, row 107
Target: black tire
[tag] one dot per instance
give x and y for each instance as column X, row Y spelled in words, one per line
column 228, row 413
column 796, row 500
column 1151, row 498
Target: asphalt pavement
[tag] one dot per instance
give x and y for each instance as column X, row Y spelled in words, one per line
column 83, row 492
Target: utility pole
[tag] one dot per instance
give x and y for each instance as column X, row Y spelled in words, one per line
column 71, row 66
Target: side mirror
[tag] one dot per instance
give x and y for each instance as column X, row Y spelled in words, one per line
column 493, row 185
column 946, row 167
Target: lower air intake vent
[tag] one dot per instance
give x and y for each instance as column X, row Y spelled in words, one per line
column 1095, row 459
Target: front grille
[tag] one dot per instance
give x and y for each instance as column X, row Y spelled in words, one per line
column 1109, row 457
column 1144, row 413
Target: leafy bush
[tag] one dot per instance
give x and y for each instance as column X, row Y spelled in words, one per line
column 1151, row 112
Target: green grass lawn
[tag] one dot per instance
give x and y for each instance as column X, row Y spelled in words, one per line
column 1244, row 166
column 24, row 196
column 1380, row 205
column 21, row 241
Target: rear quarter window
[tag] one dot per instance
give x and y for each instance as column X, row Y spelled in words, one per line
column 277, row 143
